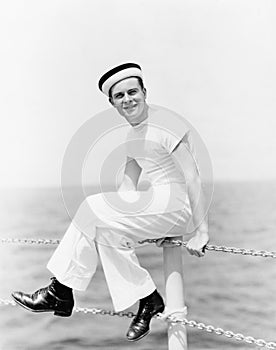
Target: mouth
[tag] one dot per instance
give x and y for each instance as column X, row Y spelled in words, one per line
column 130, row 108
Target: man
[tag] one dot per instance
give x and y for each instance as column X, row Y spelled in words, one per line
column 98, row 228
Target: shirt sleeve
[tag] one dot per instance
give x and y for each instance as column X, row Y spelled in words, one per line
column 169, row 139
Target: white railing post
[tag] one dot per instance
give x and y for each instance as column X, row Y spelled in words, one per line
column 174, row 288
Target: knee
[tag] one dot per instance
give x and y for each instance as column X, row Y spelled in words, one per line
column 89, row 201
column 85, row 212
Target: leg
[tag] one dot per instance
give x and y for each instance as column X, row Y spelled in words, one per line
column 73, row 265
column 74, row 262
column 126, row 279
column 128, row 282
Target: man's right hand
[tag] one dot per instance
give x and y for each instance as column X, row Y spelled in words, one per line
column 196, row 244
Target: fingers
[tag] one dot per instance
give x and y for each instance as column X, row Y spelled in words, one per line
column 159, row 243
column 201, row 253
column 193, row 248
column 164, row 243
column 196, row 252
column 197, row 245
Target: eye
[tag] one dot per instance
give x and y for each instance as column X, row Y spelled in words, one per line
column 118, row 96
column 132, row 91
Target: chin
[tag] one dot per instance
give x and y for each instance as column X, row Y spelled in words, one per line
column 133, row 115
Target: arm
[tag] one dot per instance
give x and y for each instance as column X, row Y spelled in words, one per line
column 186, row 163
column 131, row 175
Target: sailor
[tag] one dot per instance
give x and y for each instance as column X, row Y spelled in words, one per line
column 101, row 229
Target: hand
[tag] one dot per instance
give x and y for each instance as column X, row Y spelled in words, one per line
column 165, row 242
column 196, row 245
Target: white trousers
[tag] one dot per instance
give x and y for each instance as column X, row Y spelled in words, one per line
column 100, row 230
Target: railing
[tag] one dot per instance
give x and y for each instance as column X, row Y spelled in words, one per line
column 170, row 317
column 210, row 247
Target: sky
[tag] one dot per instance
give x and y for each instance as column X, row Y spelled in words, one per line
column 213, row 62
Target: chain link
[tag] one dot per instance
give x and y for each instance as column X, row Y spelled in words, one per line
column 7, row 302
column 211, row 247
column 96, row 311
column 220, row 331
column 93, row 310
column 191, row 323
column 172, row 319
column 29, row 240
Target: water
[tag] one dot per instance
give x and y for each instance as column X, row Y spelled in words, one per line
column 233, row 292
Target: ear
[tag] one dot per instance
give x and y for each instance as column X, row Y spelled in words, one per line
column 145, row 92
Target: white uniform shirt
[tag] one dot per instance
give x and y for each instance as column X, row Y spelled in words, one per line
column 151, row 143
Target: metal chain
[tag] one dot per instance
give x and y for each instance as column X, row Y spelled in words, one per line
column 191, row 323
column 7, row 302
column 220, row 331
column 29, row 240
column 211, row 247
column 173, row 319
column 96, row 311
column 86, row 310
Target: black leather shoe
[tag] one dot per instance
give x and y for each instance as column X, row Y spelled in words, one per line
column 51, row 298
column 149, row 307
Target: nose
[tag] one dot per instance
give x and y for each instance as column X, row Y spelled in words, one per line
column 126, row 97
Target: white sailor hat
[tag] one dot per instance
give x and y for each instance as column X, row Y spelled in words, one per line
column 116, row 74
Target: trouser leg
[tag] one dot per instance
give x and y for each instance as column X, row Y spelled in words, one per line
column 126, row 279
column 74, row 262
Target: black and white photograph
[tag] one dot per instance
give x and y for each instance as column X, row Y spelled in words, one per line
column 138, row 174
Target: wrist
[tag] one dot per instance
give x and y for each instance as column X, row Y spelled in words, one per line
column 202, row 231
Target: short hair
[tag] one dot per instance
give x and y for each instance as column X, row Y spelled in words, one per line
column 140, row 81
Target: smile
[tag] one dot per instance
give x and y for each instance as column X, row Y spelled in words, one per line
column 130, row 108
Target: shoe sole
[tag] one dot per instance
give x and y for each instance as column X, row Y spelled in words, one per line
column 141, row 336
column 56, row 312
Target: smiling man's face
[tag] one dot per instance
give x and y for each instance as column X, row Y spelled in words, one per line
column 128, row 97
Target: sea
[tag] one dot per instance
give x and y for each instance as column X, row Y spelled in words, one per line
column 234, row 292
